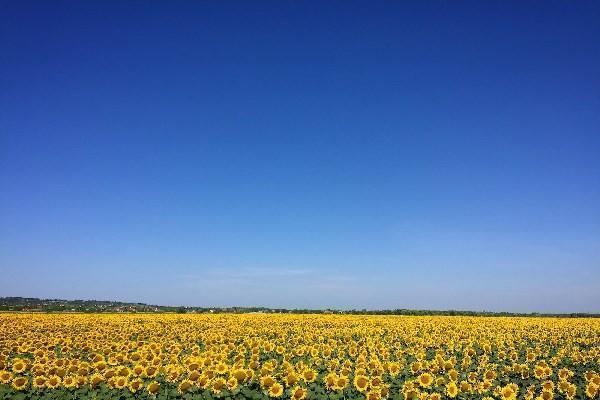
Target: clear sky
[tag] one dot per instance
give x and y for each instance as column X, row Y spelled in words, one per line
column 421, row 154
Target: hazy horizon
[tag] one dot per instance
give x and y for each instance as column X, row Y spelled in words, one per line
column 423, row 155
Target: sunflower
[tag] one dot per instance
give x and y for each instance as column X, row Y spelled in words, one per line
column 135, row 385
column 266, row 381
column 412, row 394
column 218, row 385
column 361, row 383
column 97, row 358
column 374, row 395
column 221, row 368
column 108, row 373
column 123, row 371
column 298, row 393
column 425, row 380
column 453, row 374
column 291, row 378
column 451, row 389
column 150, row 371
column 203, row 381
column 394, row 369
column 153, row 388
column 39, row 382
column 83, row 370
column 172, row 374
column 100, row 365
column 232, row 383
column 184, row 386
column 239, row 374
column 571, row 391
column 138, row 370
column 376, row 381
column 508, row 393
column 309, row 375
column 69, row 381
column 408, row 385
column 96, row 378
column 329, row 380
column 565, row 373
column 121, row 382
column 472, row 377
column 340, row 383
column 415, row 367
column 19, row 365
column 591, row 390
column 275, row 390
column 489, row 375
column 5, row 376
column 20, row 383
column 194, row 375
column 465, row 387
column 539, row 372
column 53, row 382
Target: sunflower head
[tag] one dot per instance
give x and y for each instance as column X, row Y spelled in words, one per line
column 19, row 365
column 53, row 382
column 218, row 385
column 451, row 389
column 276, row 390
column 5, row 376
column 135, row 385
column 153, row 388
column 232, row 383
column 39, row 382
column 425, row 380
column 20, row 383
column 361, row 383
column 298, row 393
column 184, row 386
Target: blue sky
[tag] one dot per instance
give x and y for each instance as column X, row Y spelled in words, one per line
column 420, row 154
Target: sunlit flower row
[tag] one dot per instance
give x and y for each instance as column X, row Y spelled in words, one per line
column 300, row 356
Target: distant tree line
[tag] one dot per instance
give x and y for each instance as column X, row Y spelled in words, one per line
column 29, row 304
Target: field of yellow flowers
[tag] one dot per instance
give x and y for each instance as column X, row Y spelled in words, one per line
column 262, row 356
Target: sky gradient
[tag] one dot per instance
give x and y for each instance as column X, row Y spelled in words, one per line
column 424, row 154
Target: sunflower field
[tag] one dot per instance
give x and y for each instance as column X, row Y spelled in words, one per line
column 263, row 356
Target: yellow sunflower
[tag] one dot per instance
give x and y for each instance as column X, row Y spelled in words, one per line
column 298, row 393
column 5, row 376
column 425, row 380
column 361, row 383
column 121, row 382
column 20, row 383
column 451, row 389
column 19, row 365
column 309, row 375
column 184, row 386
column 53, row 382
column 135, row 385
column 39, row 382
column 275, row 390
column 218, row 385
column 153, row 388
